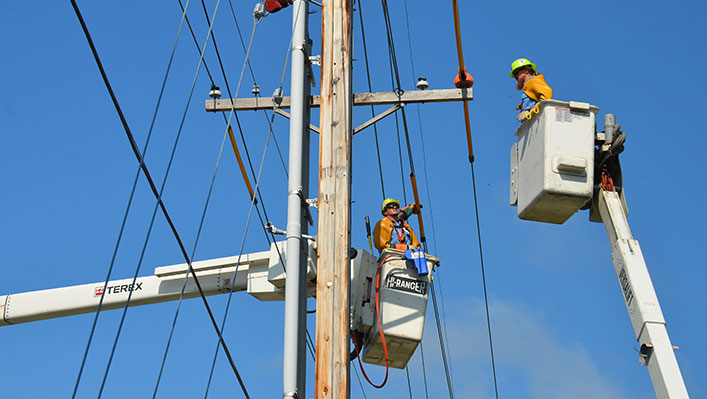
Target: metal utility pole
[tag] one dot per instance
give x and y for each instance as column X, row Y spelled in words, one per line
column 294, row 360
column 334, row 235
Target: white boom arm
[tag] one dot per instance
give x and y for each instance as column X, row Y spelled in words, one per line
column 656, row 351
column 260, row 273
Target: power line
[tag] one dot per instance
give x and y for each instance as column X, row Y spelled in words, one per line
column 370, row 89
column 429, row 199
column 257, row 182
column 127, row 210
column 143, row 166
column 483, row 279
column 226, row 120
column 393, row 59
column 225, row 79
column 462, row 73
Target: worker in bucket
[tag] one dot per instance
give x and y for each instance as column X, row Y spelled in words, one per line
column 392, row 231
column 533, row 85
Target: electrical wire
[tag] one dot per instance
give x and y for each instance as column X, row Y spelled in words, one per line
column 391, row 50
column 407, row 373
column 127, row 210
column 186, row 279
column 257, row 183
column 424, row 373
column 360, row 384
column 429, row 199
column 441, row 343
column 462, row 71
column 140, row 159
column 240, row 129
column 255, row 84
column 370, row 89
column 225, row 79
column 229, row 133
column 483, row 279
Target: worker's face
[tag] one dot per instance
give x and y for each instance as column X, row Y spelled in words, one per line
column 392, row 210
column 521, row 77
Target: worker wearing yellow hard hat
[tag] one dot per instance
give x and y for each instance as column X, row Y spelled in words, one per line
column 392, row 231
column 533, row 85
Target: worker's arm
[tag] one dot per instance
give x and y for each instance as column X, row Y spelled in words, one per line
column 537, row 89
column 409, row 210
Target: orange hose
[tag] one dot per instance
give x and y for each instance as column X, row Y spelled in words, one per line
column 380, row 329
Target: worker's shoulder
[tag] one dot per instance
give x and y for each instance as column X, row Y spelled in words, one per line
column 383, row 222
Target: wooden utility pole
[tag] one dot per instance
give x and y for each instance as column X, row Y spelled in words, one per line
column 334, row 235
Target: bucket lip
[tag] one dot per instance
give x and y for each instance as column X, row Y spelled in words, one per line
column 401, row 254
column 571, row 105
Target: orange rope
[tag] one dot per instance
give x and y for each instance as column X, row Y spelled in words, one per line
column 240, row 163
column 419, row 207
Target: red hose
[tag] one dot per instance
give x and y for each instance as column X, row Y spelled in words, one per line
column 380, row 328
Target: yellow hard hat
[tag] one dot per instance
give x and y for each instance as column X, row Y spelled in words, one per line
column 519, row 63
column 387, row 202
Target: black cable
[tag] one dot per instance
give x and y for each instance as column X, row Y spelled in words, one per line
column 393, row 60
column 423, row 146
column 233, row 281
column 483, row 279
column 240, row 130
column 225, row 79
column 429, row 202
column 353, row 366
column 424, row 372
column 441, row 342
column 370, row 89
column 127, row 211
column 143, row 166
column 407, row 373
column 310, row 344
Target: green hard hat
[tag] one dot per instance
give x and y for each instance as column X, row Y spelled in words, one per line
column 521, row 62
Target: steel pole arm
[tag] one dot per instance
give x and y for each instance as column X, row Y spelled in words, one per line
column 656, row 351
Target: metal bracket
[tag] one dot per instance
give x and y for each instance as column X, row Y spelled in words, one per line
column 644, row 354
column 290, row 395
column 274, row 230
column 305, row 49
column 305, row 206
column 315, row 60
column 277, row 98
column 259, row 11
column 313, row 202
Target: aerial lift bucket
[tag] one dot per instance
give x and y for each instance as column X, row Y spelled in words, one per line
column 552, row 164
column 402, row 300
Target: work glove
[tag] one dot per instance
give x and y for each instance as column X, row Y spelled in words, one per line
column 523, row 116
column 409, row 210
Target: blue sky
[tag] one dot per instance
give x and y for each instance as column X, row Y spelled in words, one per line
column 559, row 325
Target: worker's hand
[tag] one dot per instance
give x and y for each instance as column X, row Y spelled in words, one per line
column 523, row 116
column 416, row 208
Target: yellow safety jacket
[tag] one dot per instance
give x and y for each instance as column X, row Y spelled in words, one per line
column 537, row 89
column 383, row 230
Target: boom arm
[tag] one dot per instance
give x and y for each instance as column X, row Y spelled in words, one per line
column 260, row 273
column 656, row 351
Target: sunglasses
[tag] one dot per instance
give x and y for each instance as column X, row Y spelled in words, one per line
column 392, row 206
